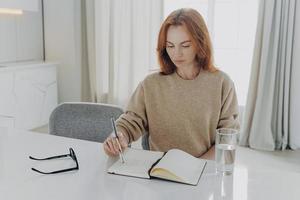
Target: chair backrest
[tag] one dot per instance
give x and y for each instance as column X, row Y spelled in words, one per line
column 87, row 121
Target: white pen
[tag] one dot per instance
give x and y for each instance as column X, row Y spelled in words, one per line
column 117, row 137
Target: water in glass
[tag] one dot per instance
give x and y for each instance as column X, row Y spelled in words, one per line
column 225, row 154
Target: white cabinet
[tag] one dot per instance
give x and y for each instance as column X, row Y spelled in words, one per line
column 7, row 100
column 6, row 121
column 28, row 93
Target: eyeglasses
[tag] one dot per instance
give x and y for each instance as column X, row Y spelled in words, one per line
column 71, row 154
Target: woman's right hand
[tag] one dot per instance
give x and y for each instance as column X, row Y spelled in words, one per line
column 111, row 147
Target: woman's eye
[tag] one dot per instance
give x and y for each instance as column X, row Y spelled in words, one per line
column 170, row 47
column 186, row 46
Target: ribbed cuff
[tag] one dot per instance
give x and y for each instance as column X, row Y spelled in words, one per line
column 125, row 133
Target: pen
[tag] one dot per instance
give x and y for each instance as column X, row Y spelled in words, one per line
column 117, row 137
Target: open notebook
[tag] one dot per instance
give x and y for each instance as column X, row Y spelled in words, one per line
column 175, row 165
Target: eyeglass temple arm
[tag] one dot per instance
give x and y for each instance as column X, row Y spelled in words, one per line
column 49, row 158
column 56, row 172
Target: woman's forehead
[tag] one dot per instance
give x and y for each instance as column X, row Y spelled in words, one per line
column 177, row 34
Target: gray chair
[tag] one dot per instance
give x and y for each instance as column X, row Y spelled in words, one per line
column 145, row 141
column 87, row 121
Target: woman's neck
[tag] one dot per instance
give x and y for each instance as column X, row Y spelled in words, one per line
column 188, row 74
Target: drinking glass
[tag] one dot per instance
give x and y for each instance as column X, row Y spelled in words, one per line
column 225, row 145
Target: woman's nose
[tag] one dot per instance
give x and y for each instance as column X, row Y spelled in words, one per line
column 178, row 52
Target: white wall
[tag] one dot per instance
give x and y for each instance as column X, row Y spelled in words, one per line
column 21, row 37
column 63, row 45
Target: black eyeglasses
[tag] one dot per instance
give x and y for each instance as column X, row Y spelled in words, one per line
column 71, row 154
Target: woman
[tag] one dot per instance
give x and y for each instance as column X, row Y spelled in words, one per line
column 182, row 105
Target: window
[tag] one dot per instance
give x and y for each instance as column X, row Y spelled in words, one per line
column 232, row 26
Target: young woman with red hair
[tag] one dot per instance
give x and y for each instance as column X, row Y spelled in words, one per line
column 182, row 105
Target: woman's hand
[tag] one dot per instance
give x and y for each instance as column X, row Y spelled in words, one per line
column 111, row 146
column 210, row 154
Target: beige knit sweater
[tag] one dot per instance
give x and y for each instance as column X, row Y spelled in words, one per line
column 180, row 113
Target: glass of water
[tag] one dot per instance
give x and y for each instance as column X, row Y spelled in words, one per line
column 226, row 141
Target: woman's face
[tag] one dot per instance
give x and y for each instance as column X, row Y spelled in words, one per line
column 180, row 48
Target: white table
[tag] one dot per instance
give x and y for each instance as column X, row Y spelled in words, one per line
column 18, row 181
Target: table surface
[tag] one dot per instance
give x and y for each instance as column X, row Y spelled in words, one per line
column 252, row 178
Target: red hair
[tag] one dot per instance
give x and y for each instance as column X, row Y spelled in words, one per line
column 195, row 25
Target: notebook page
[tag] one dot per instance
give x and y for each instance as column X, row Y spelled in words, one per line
column 183, row 165
column 137, row 163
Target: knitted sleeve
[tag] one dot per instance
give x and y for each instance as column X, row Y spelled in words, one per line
column 133, row 122
column 229, row 110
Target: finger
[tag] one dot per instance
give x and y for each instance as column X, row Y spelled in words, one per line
column 123, row 140
column 106, row 147
column 116, row 145
column 107, row 150
column 111, row 146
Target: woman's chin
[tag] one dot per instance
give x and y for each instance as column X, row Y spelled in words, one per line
column 179, row 64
